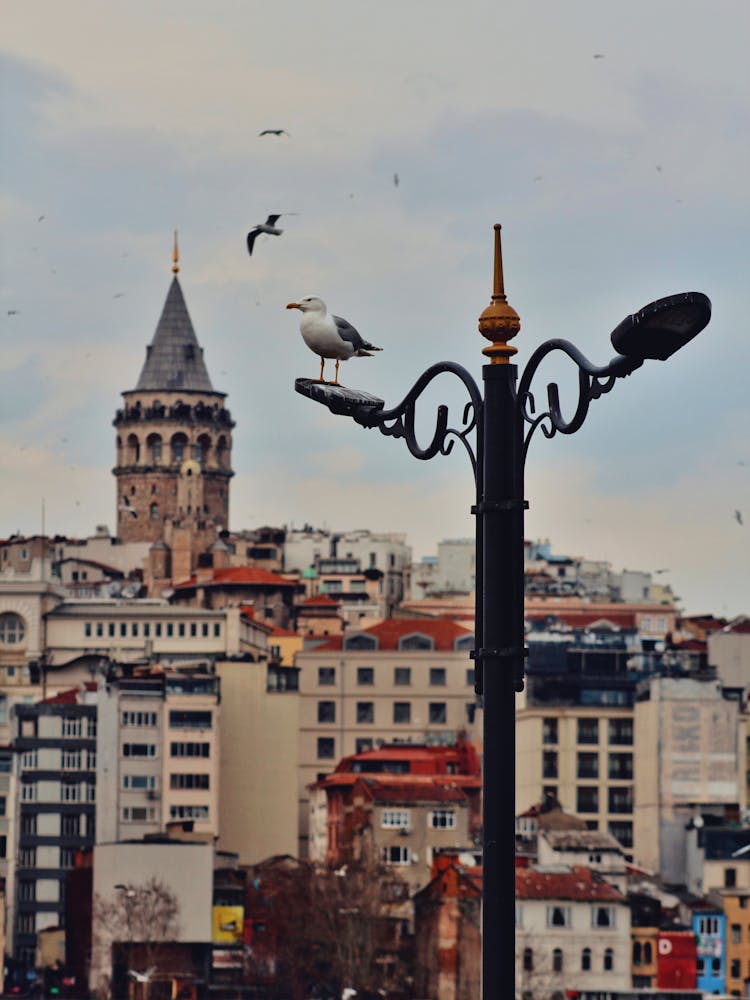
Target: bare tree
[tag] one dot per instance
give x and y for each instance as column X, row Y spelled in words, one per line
column 144, row 914
column 537, row 978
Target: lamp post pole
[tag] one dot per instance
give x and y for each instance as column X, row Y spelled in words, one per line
column 495, row 430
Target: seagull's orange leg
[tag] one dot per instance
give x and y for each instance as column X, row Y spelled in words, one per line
column 322, row 362
column 336, row 376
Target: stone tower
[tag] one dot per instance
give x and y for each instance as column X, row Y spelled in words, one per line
column 174, row 441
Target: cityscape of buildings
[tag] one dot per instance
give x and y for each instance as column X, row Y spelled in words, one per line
column 193, row 718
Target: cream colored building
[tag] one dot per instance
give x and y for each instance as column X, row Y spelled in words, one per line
column 258, row 768
column 581, row 755
column 403, row 680
column 689, row 756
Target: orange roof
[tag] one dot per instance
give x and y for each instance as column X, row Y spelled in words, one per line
column 579, row 883
column 239, row 576
column 69, row 697
column 321, row 599
column 442, row 631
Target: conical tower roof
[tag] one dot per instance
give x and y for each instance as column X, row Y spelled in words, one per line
column 174, row 358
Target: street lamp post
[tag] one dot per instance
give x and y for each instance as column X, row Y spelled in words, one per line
column 495, row 429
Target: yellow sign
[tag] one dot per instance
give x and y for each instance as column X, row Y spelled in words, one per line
column 227, row 924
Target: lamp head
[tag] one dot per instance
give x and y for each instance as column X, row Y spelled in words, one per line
column 662, row 327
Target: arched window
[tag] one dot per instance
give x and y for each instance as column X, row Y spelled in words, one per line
column 464, row 642
column 637, row 952
column 416, row 640
column 609, row 959
column 360, row 640
column 202, row 450
column 154, row 447
column 557, row 960
column 528, row 959
column 12, row 629
column 154, row 511
column 133, row 450
column 648, row 954
column 179, row 445
column 586, row 960
column 222, row 456
column 118, row 445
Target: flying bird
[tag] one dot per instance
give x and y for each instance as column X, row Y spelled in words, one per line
column 598, row 55
column 738, row 517
column 41, row 218
column 395, row 180
column 273, row 131
column 329, row 336
column 14, row 312
column 126, row 508
column 269, row 227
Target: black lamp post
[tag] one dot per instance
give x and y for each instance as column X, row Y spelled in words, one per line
column 502, row 423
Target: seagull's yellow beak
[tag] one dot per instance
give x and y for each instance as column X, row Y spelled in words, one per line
column 294, row 305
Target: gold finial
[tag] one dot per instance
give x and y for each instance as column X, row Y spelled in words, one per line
column 499, row 322
column 175, row 255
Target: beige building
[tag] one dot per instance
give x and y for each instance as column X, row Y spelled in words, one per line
column 583, row 757
column 688, row 760
column 258, row 768
column 402, row 680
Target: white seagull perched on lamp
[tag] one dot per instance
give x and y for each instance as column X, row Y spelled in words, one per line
column 329, row 336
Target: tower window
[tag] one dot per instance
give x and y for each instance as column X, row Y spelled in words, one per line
column 154, row 511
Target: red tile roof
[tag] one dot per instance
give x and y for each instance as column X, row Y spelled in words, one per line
column 583, row 619
column 239, row 576
column 411, row 791
column 577, row 884
column 321, row 600
column 442, row 631
column 69, row 697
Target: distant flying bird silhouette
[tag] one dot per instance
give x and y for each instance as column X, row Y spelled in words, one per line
column 395, row 180
column 738, row 517
column 598, row 55
column 268, row 227
column 41, row 218
column 273, row 131
column 126, row 508
column 118, row 295
column 14, row 312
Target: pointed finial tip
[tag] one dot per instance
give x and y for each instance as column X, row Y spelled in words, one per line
column 499, row 322
column 175, row 255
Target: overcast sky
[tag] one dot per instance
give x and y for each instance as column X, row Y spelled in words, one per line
column 609, row 139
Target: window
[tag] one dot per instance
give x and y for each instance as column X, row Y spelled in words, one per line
column 26, row 890
column 189, row 749
column 603, row 916
column 360, row 641
column 558, row 916
column 396, row 854
column 134, row 629
column 2, row 805
column 326, row 748
column 27, row 857
column 621, row 766
column 401, row 712
column 621, row 799
column 588, row 765
column 586, row 960
column 188, row 812
column 437, row 676
column 442, row 819
column 549, row 730
column 588, row 730
column 326, row 676
column 170, row 629
column 111, row 629
column 91, row 731
column 708, row 925
column 528, row 960
column 557, row 960
column 184, row 719
column 326, row 711
column 402, row 676
column 12, row 629
column 71, row 792
column 438, row 712
column 470, row 676
column 217, row 630
column 29, row 760
column 637, row 953
column 204, row 630
column 87, row 626
column 139, row 718
column 138, row 782
column 736, row 934
column 28, row 793
column 395, row 819
column 181, row 629
column 157, row 630
column 138, row 814
column 621, row 731
column 71, row 727
column 123, row 629
column 366, row 675
column 416, row 641
column 549, row 764
column 730, row 878
column 622, row 831
column 734, row 969
column 99, row 629
column 28, row 826
column 587, row 799
column 365, row 711
column 139, row 749
column 609, row 959
column 189, row 781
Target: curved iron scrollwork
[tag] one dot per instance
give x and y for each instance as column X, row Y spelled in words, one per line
column 399, row 421
column 593, row 382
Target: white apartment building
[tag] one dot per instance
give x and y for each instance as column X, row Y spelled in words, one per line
column 158, row 749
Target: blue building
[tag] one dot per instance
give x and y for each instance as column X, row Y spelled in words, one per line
column 709, row 927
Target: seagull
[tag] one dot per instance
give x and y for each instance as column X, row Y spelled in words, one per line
column 273, row 131
column 269, row 227
column 738, row 517
column 598, row 55
column 395, row 180
column 14, row 312
column 329, row 336
column 126, row 508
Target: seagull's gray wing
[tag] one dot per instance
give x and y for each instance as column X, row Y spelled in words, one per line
column 251, row 237
column 272, row 220
column 347, row 332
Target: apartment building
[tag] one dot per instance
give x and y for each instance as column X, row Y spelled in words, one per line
column 402, row 680
column 158, row 749
column 55, row 743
